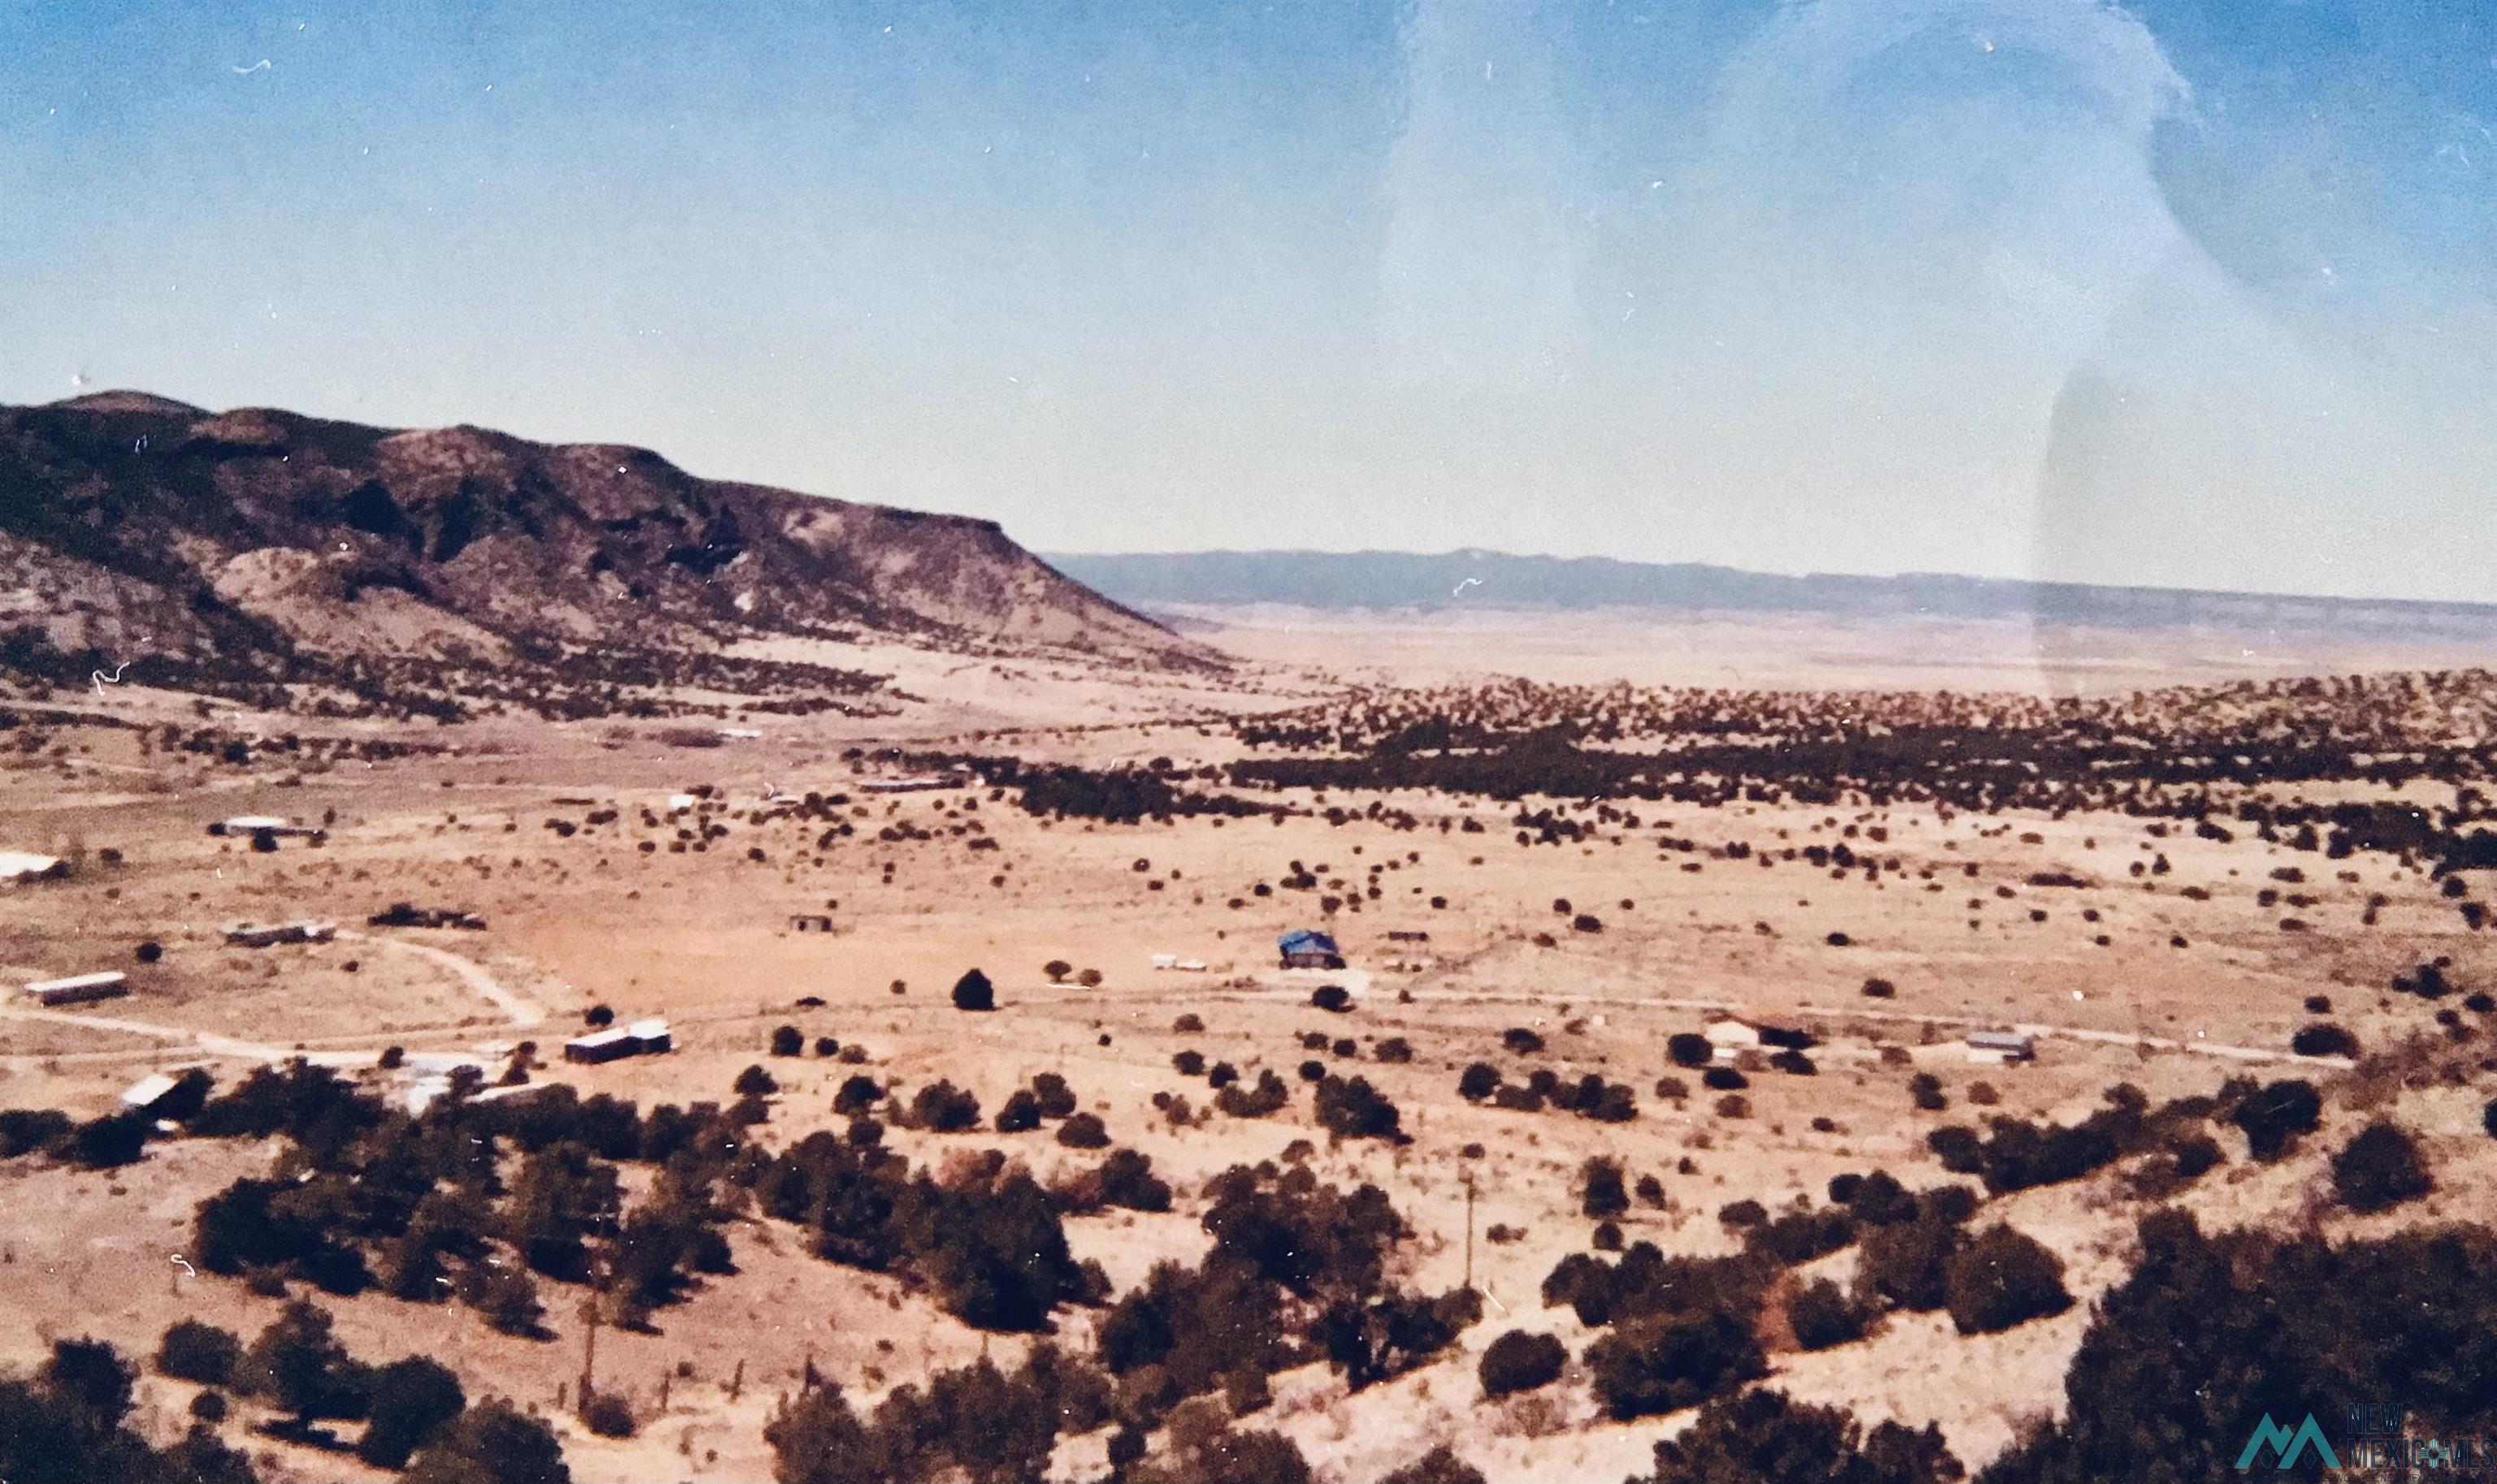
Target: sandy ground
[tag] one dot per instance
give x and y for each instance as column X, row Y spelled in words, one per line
column 704, row 938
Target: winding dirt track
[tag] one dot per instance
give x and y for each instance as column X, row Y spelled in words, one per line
column 2043, row 1031
column 522, row 1012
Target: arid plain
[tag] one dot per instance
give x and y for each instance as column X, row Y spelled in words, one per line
column 661, row 869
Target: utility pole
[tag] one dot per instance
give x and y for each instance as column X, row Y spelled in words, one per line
column 589, row 1351
column 1469, row 1228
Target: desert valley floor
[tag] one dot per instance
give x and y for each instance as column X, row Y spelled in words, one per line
column 662, row 868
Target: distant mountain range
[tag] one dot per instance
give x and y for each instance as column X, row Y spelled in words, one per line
column 267, row 547
column 1390, row 580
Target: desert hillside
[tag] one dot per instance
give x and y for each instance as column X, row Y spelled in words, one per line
column 256, row 550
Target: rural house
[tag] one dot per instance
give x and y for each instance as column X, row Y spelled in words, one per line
column 272, row 825
column 648, row 1037
column 267, row 935
column 26, row 866
column 1730, row 1033
column 78, row 988
column 1303, row 948
column 1995, row 1048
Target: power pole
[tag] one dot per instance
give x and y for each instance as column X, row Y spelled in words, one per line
column 589, row 1351
column 1469, row 1228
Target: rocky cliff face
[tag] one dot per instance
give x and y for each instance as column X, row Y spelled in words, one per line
column 262, row 545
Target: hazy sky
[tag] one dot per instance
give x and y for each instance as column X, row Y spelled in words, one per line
column 2188, row 293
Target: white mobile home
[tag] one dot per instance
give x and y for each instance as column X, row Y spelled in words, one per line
column 268, row 935
column 601, row 1045
column 266, row 824
column 1996, row 1048
column 1730, row 1033
column 78, row 988
column 25, row 865
column 915, row 783
column 648, row 1037
column 148, row 1091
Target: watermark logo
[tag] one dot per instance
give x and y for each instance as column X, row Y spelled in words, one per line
column 2378, row 1442
column 2286, row 1446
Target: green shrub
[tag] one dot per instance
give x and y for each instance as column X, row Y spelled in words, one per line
column 2182, row 1360
column 610, row 1415
column 1665, row 1362
column 196, row 1351
column 2379, row 1169
column 942, row 1108
column 1800, row 1236
column 1906, row 1262
column 1439, row 1466
column 297, row 1364
column 1269, row 1096
column 973, row 991
column 1764, row 1437
column 1127, row 1180
column 490, row 1441
column 2275, row 1117
column 411, row 1401
column 1084, row 1130
column 1822, row 1315
column 2000, row 1278
column 1353, row 1109
column 1602, row 1191
column 92, row 1376
column 1231, row 1457
column 1020, row 1112
column 1521, row 1360
column 29, row 1130
column 111, row 1141
column 2325, row 1040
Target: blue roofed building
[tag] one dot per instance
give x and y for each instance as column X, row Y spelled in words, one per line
column 1304, row 949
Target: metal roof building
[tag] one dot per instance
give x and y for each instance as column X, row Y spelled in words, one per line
column 1303, row 948
column 2000, row 1045
column 19, row 865
column 78, row 988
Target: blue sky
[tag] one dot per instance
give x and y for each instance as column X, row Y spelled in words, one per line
column 2194, row 293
